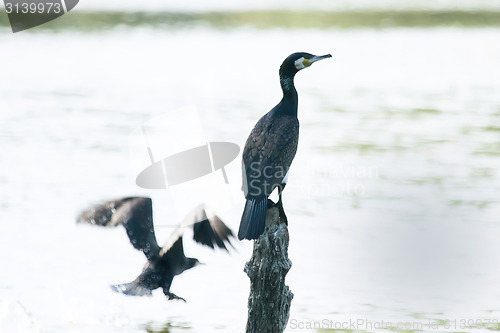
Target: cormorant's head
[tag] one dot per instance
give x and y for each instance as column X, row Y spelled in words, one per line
column 297, row 61
column 192, row 262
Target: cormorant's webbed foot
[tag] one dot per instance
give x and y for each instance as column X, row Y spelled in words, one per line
column 172, row 296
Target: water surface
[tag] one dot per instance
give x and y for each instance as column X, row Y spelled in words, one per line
column 392, row 201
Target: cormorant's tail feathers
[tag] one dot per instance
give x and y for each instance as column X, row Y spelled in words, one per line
column 253, row 220
column 131, row 289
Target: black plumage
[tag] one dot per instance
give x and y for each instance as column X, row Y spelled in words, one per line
column 270, row 149
column 136, row 215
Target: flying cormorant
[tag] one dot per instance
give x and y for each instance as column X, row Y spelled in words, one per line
column 136, row 215
column 270, row 149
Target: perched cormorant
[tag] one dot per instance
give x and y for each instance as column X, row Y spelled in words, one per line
column 136, row 215
column 270, row 149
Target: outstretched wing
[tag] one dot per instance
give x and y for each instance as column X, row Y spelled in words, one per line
column 211, row 231
column 101, row 214
column 208, row 229
column 136, row 215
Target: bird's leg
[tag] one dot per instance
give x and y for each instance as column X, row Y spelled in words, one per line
column 271, row 204
column 172, row 296
column 279, row 204
column 166, row 291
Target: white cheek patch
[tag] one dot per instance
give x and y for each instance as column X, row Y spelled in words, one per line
column 299, row 63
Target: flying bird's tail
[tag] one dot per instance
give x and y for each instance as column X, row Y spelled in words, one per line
column 131, row 289
column 253, row 220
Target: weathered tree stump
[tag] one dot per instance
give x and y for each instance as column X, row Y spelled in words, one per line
column 270, row 299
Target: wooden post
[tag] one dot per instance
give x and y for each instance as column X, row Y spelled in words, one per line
column 270, row 299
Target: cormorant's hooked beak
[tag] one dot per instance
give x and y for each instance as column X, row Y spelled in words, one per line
column 318, row 58
column 304, row 63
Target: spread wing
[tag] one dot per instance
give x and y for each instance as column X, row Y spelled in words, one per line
column 208, row 229
column 136, row 215
column 175, row 253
